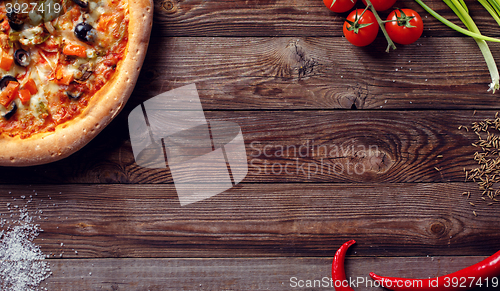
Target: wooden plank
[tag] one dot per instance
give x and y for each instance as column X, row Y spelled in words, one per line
column 241, row 273
column 297, row 146
column 258, row 220
column 284, row 18
column 319, row 73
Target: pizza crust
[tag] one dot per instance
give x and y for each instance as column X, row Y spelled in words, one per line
column 71, row 136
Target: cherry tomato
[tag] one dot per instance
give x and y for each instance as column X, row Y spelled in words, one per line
column 381, row 5
column 406, row 28
column 361, row 28
column 339, row 6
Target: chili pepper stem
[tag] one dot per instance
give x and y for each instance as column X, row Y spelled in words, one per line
column 390, row 43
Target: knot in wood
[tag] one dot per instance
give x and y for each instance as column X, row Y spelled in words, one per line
column 438, row 228
column 354, row 97
column 169, row 6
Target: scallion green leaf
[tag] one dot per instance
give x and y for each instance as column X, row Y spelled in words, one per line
column 461, row 10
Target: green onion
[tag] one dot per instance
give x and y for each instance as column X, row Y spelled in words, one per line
column 461, row 10
column 454, row 26
column 492, row 9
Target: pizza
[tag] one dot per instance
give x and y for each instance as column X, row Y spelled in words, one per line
column 67, row 67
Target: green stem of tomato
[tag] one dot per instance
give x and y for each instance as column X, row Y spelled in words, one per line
column 390, row 43
column 355, row 26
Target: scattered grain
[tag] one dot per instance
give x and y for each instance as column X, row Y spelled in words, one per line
column 487, row 156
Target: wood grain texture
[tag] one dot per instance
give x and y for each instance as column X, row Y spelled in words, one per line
column 319, row 73
column 297, row 146
column 258, row 220
column 389, row 175
column 239, row 273
column 284, row 18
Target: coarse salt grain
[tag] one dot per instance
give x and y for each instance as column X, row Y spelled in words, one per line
column 23, row 266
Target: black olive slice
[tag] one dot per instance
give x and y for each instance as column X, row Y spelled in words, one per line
column 74, row 95
column 82, row 3
column 22, row 58
column 5, row 81
column 85, row 32
column 14, row 21
column 10, row 110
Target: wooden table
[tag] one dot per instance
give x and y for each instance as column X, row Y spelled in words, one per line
column 284, row 73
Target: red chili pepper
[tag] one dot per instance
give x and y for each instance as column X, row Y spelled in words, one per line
column 338, row 271
column 465, row 279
